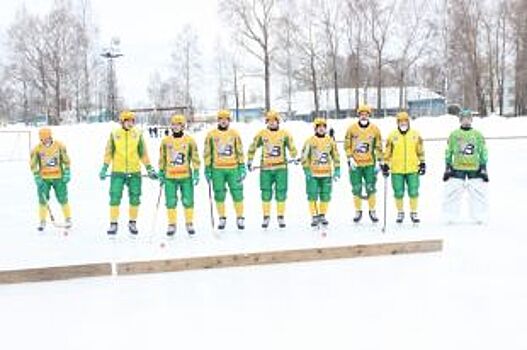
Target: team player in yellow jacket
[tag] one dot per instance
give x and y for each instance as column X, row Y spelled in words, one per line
column 363, row 147
column 179, row 170
column 50, row 165
column 125, row 150
column 405, row 157
column 275, row 143
column 225, row 166
column 321, row 163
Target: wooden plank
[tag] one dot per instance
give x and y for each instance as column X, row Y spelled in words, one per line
column 279, row 257
column 55, row 273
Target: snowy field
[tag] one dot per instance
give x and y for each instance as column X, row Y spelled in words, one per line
column 473, row 295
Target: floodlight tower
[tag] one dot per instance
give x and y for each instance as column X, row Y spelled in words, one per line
column 110, row 54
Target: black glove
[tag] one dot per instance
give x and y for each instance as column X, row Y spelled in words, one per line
column 483, row 173
column 422, row 168
column 385, row 170
column 448, row 173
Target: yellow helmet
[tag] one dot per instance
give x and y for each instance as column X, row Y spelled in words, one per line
column 320, row 121
column 126, row 115
column 402, row 116
column 272, row 115
column 364, row 108
column 224, row 114
column 44, row 133
column 178, row 119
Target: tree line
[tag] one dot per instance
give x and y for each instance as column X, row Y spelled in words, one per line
column 472, row 52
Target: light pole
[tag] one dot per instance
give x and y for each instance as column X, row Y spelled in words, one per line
column 110, row 54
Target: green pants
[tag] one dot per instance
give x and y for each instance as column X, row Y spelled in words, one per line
column 319, row 188
column 223, row 177
column 60, row 188
column 399, row 181
column 186, row 189
column 117, row 183
column 276, row 178
column 370, row 179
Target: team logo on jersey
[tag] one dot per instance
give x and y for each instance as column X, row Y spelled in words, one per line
column 225, row 150
column 362, row 148
column 51, row 161
column 321, row 157
column 468, row 149
column 177, row 158
column 273, row 151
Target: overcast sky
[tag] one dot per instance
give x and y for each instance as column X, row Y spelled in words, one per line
column 147, row 30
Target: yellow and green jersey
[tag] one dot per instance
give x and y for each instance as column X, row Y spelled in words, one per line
column 126, row 150
column 363, row 144
column 49, row 162
column 320, row 155
column 223, row 149
column 466, row 150
column 404, row 152
column 275, row 145
column 178, row 156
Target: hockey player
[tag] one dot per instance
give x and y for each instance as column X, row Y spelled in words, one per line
column 466, row 168
column 225, row 165
column 50, row 165
column 321, row 163
column 275, row 144
column 179, row 170
column 405, row 157
column 125, row 150
column 363, row 147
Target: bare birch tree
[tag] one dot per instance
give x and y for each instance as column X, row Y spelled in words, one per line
column 255, row 20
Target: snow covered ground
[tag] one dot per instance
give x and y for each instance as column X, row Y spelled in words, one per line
column 472, row 295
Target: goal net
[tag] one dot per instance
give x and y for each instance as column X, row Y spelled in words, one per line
column 14, row 145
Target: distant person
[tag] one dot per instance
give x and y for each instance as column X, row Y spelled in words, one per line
column 125, row 150
column 363, row 147
column 225, row 166
column 156, row 135
column 167, row 132
column 321, row 163
column 50, row 165
column 466, row 169
column 275, row 144
column 404, row 157
column 332, row 133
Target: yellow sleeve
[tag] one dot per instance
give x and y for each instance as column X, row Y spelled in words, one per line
column 335, row 154
column 378, row 145
column 162, row 155
column 64, row 157
column 388, row 151
column 420, row 148
column 254, row 145
column 207, row 151
column 143, row 151
column 34, row 160
column 306, row 154
column 108, row 151
column 239, row 149
column 348, row 150
column 196, row 163
column 291, row 146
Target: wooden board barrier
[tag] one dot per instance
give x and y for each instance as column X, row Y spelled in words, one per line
column 279, row 257
column 55, row 273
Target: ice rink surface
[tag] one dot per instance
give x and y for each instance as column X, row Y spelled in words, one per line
column 473, row 295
